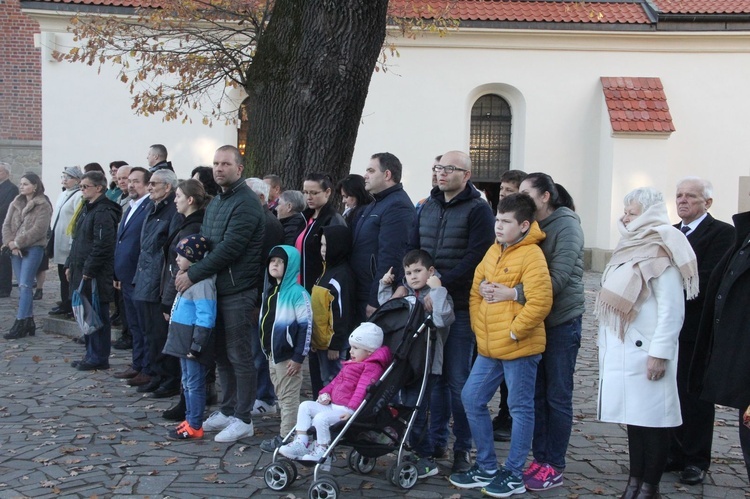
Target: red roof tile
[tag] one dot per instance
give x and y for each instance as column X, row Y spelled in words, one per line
column 107, row 3
column 564, row 11
column 703, row 6
column 637, row 104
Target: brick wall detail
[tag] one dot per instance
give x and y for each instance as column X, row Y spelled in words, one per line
column 20, row 75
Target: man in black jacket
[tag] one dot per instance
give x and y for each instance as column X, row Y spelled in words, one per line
column 8, row 192
column 456, row 227
column 157, row 158
column 690, row 444
column 91, row 260
column 234, row 226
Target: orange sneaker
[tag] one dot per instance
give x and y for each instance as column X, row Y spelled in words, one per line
column 185, row 432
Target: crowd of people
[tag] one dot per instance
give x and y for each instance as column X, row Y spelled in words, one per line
column 218, row 273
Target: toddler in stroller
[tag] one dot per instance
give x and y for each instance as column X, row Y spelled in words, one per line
column 369, row 422
column 341, row 397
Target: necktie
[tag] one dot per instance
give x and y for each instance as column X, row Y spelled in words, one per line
column 685, row 229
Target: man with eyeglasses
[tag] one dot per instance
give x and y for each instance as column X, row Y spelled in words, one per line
column 127, row 251
column 381, row 234
column 91, row 260
column 234, row 226
column 161, row 211
column 456, row 227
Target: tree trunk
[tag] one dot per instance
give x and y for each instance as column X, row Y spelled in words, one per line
column 307, row 86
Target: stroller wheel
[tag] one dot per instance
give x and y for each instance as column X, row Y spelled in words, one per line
column 360, row 464
column 280, row 474
column 324, row 488
column 404, row 475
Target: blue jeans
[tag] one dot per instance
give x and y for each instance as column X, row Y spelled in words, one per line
column 136, row 316
column 457, row 355
column 99, row 344
column 485, row 378
column 322, row 370
column 194, row 389
column 25, row 268
column 553, row 399
column 234, row 349
column 265, row 390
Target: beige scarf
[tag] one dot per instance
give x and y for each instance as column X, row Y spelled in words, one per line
column 648, row 246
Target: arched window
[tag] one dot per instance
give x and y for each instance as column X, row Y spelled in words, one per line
column 490, row 138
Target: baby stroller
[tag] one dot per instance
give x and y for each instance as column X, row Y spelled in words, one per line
column 378, row 426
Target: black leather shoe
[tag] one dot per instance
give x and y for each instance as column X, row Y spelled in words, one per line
column 75, row 364
column 164, row 392
column 692, row 475
column 38, row 294
column 59, row 310
column 149, row 387
column 176, row 413
column 122, row 344
column 87, row 366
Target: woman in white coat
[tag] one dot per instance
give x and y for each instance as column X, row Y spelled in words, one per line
column 65, row 208
column 640, row 309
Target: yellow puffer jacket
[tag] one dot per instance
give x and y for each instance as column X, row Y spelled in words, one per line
column 496, row 324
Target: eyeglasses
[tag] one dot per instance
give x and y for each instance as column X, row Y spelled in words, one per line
column 311, row 193
column 85, row 186
column 152, row 183
column 448, row 169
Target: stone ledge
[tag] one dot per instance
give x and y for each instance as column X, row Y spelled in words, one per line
column 69, row 328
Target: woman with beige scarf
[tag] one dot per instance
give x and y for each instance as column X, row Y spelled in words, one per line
column 640, row 309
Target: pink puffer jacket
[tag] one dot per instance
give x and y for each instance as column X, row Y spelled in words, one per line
column 349, row 387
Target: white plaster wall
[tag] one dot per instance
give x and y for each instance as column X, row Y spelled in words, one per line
column 420, row 107
column 86, row 117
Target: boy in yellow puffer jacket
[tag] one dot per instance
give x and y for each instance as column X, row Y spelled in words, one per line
column 510, row 340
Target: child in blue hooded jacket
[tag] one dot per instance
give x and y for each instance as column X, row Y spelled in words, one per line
column 285, row 329
column 191, row 324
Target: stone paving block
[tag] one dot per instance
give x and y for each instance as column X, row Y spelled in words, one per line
column 154, row 485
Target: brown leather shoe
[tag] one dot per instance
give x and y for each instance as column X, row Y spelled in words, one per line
column 128, row 373
column 139, row 380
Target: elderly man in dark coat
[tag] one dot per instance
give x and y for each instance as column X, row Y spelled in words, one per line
column 720, row 371
column 690, row 443
column 91, row 259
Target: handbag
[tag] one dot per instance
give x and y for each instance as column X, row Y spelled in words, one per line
column 86, row 311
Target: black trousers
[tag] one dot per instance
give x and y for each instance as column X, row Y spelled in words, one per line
column 64, row 288
column 690, row 444
column 166, row 367
column 6, row 274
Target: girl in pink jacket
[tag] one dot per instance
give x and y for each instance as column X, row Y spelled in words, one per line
column 341, row 397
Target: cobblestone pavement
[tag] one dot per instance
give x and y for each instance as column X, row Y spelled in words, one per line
column 74, row 434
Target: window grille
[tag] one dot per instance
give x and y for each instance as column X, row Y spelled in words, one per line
column 490, row 138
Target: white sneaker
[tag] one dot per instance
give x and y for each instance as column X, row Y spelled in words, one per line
column 236, row 430
column 260, row 408
column 294, row 450
column 315, row 453
column 217, row 422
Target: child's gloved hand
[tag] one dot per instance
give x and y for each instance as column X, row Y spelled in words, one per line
column 434, row 282
column 388, row 278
